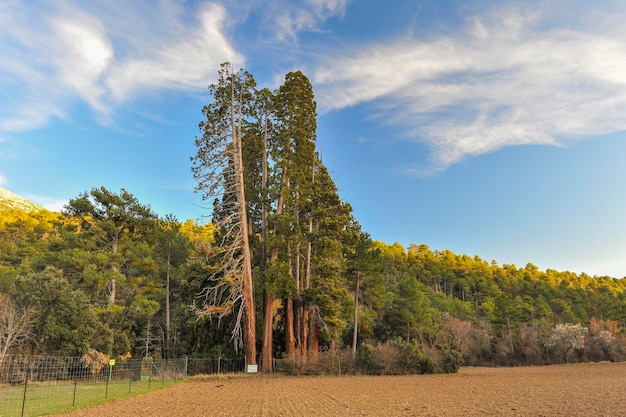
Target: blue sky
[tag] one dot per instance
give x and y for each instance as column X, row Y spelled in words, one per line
column 488, row 128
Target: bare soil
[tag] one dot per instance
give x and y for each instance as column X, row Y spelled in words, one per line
column 567, row 390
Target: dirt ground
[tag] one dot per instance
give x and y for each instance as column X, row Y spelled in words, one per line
column 568, row 390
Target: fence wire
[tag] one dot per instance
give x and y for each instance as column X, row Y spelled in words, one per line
column 207, row 366
column 39, row 385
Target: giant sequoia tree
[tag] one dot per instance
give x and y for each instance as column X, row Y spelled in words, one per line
column 294, row 155
column 219, row 172
column 275, row 210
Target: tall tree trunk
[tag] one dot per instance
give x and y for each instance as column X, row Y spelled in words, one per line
column 268, row 320
column 168, row 326
column 290, row 340
column 305, row 329
column 268, row 332
column 356, row 316
column 249, row 327
column 112, row 288
column 314, row 337
column 268, row 301
column 298, row 305
column 113, row 281
column 307, row 281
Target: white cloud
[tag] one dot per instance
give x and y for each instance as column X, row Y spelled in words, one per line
column 57, row 206
column 47, row 202
column 507, row 78
column 30, row 112
column 105, row 52
column 287, row 18
column 3, row 179
column 29, row 93
column 82, row 53
column 188, row 60
column 102, row 52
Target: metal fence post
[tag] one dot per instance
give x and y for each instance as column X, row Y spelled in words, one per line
column 74, row 396
column 106, row 392
column 25, row 385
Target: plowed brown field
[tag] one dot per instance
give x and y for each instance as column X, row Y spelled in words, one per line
column 568, row 390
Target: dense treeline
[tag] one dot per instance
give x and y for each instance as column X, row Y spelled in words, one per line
column 282, row 268
column 56, row 273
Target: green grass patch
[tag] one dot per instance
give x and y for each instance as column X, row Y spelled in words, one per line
column 39, row 399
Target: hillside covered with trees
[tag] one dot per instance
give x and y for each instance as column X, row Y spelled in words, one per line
column 280, row 269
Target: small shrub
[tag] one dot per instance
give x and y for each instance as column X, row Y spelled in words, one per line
column 287, row 366
column 394, row 358
column 365, row 358
column 413, row 360
column 451, row 361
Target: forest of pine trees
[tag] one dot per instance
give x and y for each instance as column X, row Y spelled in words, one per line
column 280, row 269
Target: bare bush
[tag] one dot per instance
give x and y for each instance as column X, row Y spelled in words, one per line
column 567, row 337
column 16, row 325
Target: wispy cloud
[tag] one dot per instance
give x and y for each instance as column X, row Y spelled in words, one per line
column 80, row 54
column 509, row 77
column 102, row 53
column 287, row 18
column 47, row 202
column 187, row 60
column 55, row 205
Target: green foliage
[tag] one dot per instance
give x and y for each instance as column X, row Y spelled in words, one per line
column 451, row 361
column 414, row 361
column 277, row 280
column 67, row 325
column 107, row 268
column 407, row 313
column 505, row 315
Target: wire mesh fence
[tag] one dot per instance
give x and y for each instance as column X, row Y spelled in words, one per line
column 219, row 365
column 39, row 385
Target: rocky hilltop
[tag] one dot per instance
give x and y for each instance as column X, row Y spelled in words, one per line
column 9, row 200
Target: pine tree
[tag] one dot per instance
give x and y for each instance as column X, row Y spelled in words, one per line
column 111, row 219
